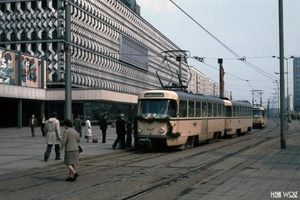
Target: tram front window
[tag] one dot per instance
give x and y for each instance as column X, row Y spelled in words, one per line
column 158, row 108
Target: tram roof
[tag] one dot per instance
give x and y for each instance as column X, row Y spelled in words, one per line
column 258, row 108
column 173, row 94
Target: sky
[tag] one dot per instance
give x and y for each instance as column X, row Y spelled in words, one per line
column 231, row 30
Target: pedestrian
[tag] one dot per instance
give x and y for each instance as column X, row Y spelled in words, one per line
column 129, row 132
column 103, row 126
column 88, row 130
column 69, row 142
column 43, row 121
column 78, row 126
column 121, row 132
column 33, row 123
column 52, row 130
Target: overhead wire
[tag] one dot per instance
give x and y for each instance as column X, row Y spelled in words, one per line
column 243, row 59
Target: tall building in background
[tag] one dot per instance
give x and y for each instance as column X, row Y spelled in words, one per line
column 296, row 73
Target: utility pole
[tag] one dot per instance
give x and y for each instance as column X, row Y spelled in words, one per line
column 281, row 57
column 221, row 76
column 68, row 85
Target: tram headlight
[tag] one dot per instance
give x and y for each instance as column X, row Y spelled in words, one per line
column 139, row 130
column 161, row 130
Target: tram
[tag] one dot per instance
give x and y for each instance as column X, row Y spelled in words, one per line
column 259, row 117
column 238, row 118
column 178, row 119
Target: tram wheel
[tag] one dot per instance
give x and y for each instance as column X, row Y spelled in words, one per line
column 216, row 136
column 189, row 143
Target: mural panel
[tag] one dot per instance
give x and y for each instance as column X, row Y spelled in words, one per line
column 30, row 71
column 8, row 67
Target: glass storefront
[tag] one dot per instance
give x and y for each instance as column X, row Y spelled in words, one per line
column 94, row 110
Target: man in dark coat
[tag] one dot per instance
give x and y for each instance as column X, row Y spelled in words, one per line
column 78, row 126
column 33, row 123
column 121, row 132
column 103, row 126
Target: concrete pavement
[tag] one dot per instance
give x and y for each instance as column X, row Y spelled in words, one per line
column 266, row 172
column 20, row 151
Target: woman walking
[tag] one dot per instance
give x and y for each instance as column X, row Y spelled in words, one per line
column 70, row 144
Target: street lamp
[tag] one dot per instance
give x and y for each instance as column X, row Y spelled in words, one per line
column 287, row 88
column 276, row 81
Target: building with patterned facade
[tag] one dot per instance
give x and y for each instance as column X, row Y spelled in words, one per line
column 115, row 54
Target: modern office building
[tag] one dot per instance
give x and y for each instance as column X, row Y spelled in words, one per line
column 296, row 73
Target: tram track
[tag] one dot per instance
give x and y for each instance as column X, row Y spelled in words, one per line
column 199, row 168
column 196, row 169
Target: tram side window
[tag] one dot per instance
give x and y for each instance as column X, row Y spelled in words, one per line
column 191, row 108
column 204, row 109
column 183, row 108
column 215, row 109
column 228, row 111
column 198, row 109
column 209, row 109
column 220, row 113
column 234, row 111
column 172, row 108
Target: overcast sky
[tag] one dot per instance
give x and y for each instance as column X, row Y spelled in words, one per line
column 248, row 28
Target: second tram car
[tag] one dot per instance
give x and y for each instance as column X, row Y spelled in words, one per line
column 259, row 117
column 238, row 117
column 178, row 119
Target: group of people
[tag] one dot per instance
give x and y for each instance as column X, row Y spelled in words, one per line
column 68, row 142
column 123, row 128
column 88, row 127
column 33, row 123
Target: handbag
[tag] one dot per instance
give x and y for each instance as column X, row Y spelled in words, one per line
column 80, row 149
column 95, row 140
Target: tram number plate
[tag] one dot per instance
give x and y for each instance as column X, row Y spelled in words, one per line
column 150, row 129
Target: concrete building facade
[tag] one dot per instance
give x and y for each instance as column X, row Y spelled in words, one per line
column 115, row 54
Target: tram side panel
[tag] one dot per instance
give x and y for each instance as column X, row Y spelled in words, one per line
column 238, row 125
column 186, row 128
column 215, row 128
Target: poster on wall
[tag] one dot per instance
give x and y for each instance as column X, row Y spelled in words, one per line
column 30, row 71
column 8, row 72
